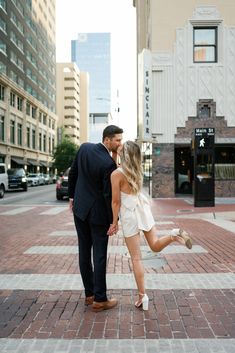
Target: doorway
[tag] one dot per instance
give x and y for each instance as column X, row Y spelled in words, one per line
column 183, row 170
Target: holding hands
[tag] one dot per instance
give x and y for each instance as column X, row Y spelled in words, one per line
column 112, row 229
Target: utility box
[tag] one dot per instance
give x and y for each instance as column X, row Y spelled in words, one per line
column 204, row 167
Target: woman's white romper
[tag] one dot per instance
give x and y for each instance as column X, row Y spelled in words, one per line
column 135, row 213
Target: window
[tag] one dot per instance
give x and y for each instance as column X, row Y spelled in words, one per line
column 34, row 139
column 12, row 99
column 40, row 141
column 34, row 110
column 27, row 108
column 2, row 93
column 3, row 26
column 28, row 136
column 19, row 103
column 3, row 68
column 3, row 47
column 12, row 131
column 205, row 44
column 44, row 143
column 20, row 82
column 1, row 128
column 13, row 76
column 49, row 145
column 19, row 134
column 224, row 162
column 3, row 4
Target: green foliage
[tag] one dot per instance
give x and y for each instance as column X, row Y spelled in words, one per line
column 64, row 154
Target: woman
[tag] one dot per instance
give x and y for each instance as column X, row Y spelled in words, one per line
column 133, row 210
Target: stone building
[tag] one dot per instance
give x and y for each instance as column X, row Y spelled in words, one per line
column 28, row 123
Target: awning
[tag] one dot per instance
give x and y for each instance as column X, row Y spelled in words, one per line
column 32, row 161
column 43, row 163
column 19, row 161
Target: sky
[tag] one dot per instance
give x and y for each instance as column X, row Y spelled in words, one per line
column 119, row 18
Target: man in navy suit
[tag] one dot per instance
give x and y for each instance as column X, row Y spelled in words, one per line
column 90, row 199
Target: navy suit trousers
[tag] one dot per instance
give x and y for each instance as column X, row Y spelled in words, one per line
column 93, row 237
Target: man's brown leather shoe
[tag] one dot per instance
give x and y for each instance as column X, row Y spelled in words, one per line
column 89, row 300
column 100, row 306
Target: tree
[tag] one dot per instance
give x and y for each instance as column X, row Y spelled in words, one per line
column 64, row 154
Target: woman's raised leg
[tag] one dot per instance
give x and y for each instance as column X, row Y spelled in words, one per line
column 157, row 244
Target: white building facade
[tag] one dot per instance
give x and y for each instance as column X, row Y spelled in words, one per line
column 187, row 50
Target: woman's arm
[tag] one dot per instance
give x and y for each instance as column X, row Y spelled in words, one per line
column 116, row 201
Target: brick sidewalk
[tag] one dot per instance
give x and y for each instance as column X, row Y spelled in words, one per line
column 34, row 243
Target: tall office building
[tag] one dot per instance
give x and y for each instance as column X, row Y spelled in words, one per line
column 27, row 83
column 91, row 52
column 72, row 102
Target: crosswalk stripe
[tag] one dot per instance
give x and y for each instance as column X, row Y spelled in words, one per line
column 119, row 281
column 54, row 211
column 116, row 249
column 182, row 345
column 194, row 345
column 16, row 211
column 63, row 233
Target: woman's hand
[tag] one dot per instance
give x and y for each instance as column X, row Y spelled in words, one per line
column 112, row 229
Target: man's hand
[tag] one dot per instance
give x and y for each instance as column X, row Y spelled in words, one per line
column 71, row 205
column 112, row 229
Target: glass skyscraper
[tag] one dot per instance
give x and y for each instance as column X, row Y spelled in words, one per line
column 91, row 52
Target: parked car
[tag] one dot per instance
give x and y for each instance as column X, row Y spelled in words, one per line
column 3, row 179
column 33, row 180
column 184, row 183
column 54, row 178
column 41, row 179
column 48, row 179
column 17, row 179
column 62, row 186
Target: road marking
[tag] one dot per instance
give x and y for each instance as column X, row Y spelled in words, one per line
column 159, row 223
column 116, row 249
column 16, row 211
column 63, row 233
column 119, row 281
column 194, row 345
column 54, row 211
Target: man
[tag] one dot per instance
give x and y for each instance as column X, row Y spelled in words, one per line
column 90, row 198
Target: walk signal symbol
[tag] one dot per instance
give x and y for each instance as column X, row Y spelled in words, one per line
column 202, row 142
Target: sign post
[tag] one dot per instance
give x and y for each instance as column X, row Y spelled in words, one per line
column 204, row 166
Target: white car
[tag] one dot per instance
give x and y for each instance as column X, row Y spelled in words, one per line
column 41, row 179
column 3, row 179
column 48, row 179
column 33, row 179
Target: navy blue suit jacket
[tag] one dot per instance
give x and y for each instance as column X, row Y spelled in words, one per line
column 90, row 185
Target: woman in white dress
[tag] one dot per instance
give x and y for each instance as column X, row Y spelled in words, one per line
column 132, row 208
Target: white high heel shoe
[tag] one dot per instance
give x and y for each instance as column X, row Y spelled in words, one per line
column 143, row 302
column 183, row 237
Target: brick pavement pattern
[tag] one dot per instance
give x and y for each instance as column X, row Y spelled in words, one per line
column 179, row 320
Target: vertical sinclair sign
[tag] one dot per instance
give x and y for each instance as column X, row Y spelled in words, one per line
column 145, row 95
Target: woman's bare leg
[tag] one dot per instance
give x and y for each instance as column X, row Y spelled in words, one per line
column 133, row 245
column 157, row 244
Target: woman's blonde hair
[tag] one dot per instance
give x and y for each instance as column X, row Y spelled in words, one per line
column 130, row 157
